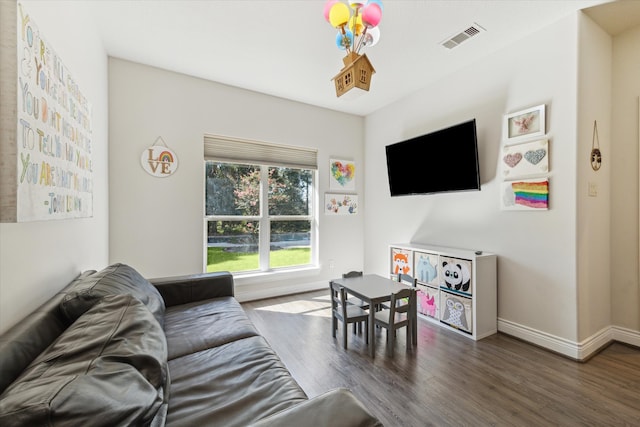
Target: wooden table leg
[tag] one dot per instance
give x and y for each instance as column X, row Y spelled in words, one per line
column 414, row 326
column 372, row 330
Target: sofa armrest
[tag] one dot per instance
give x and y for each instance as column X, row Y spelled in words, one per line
column 336, row 408
column 177, row 290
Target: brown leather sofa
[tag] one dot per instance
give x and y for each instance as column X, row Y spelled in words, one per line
column 114, row 349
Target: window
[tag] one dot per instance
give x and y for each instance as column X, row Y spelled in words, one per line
column 259, row 216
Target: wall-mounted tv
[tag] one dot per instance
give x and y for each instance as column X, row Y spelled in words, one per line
column 441, row 161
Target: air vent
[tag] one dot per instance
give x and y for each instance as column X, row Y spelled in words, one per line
column 462, row 36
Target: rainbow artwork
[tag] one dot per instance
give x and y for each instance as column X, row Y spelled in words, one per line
column 528, row 194
column 166, row 156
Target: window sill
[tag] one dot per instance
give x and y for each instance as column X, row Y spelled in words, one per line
column 241, row 279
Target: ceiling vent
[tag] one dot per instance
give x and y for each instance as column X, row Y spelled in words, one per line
column 462, row 36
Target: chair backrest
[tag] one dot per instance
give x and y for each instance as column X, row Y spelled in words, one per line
column 338, row 298
column 407, row 279
column 352, row 274
column 401, row 302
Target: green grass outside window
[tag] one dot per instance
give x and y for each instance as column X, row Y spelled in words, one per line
column 219, row 260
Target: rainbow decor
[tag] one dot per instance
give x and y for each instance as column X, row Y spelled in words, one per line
column 532, row 194
column 166, row 156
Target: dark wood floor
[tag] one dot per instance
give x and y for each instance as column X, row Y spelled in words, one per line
column 450, row 380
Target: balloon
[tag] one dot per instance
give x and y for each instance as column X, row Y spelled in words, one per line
column 371, row 15
column 344, row 40
column 327, row 8
column 371, row 37
column 378, row 2
column 355, row 23
column 339, row 14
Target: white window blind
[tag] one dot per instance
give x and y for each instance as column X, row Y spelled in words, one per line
column 235, row 150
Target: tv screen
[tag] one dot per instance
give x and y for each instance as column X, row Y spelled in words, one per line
column 441, row 161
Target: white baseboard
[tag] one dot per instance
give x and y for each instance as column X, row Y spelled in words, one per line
column 575, row 350
column 627, row 336
column 252, row 293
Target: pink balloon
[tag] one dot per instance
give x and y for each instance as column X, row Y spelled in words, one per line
column 327, row 8
column 371, row 15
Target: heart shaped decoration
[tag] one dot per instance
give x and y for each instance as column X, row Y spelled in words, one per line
column 534, row 157
column 343, row 172
column 512, row 159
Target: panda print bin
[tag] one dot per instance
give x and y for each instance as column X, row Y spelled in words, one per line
column 455, row 275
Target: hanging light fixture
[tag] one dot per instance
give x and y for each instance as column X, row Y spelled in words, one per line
column 357, row 25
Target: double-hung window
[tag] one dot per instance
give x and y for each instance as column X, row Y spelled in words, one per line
column 259, row 205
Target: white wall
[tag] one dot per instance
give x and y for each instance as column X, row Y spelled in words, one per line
column 625, row 284
column 536, row 250
column 156, row 224
column 593, row 215
column 38, row 258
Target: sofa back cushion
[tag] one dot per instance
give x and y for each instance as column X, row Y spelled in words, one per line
column 25, row 340
column 114, row 279
column 108, row 368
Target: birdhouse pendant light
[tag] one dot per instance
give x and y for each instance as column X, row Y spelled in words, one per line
column 357, row 25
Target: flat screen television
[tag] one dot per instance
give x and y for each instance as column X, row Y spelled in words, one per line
column 441, row 161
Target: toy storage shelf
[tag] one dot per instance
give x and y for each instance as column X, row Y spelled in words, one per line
column 457, row 288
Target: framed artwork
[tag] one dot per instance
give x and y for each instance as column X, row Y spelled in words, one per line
column 340, row 204
column 525, row 124
column 525, row 159
column 52, row 123
column 342, row 175
column 531, row 194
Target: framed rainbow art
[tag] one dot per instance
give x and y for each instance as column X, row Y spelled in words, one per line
column 530, row 194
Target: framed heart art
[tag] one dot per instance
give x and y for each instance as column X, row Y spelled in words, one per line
column 526, row 159
column 342, row 175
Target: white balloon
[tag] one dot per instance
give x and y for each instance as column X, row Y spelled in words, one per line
column 371, row 37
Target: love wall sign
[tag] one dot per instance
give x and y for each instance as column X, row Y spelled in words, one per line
column 342, row 175
column 159, row 160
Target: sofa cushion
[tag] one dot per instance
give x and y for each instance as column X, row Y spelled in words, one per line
column 204, row 324
column 234, row 384
column 114, row 279
column 108, row 368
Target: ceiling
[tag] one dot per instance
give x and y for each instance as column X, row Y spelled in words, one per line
column 287, row 49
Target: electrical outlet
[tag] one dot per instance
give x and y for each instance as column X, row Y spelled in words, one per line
column 593, row 189
column 331, row 265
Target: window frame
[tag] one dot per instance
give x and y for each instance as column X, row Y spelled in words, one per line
column 264, row 220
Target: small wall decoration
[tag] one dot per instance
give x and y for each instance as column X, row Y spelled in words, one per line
column 596, row 155
column 532, row 194
column 529, row 158
column 524, row 124
column 342, row 175
column 159, row 160
column 340, row 204
column 54, row 134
